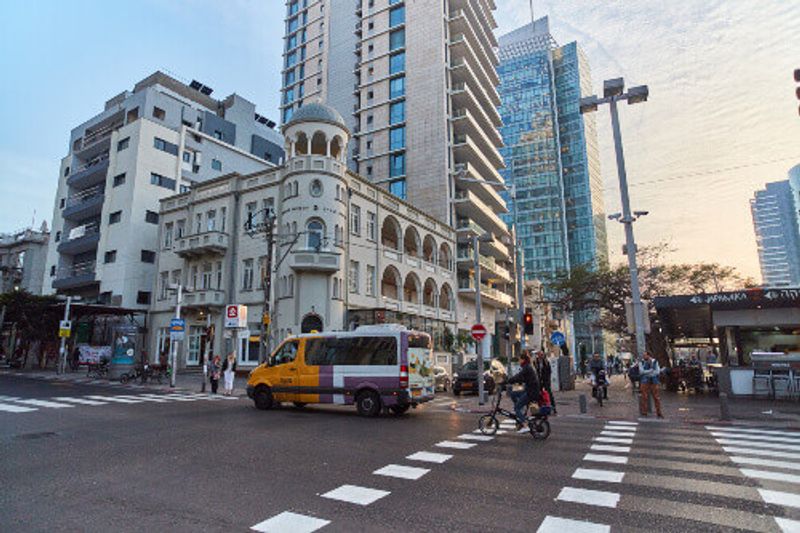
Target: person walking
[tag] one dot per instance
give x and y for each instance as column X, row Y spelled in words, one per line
column 545, row 372
column 213, row 373
column 649, row 384
column 229, row 370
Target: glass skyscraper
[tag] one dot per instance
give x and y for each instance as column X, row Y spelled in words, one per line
column 775, row 221
column 552, row 161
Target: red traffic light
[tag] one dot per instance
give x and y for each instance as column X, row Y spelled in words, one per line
column 528, row 323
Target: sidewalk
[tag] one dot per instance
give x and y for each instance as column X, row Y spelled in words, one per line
column 623, row 404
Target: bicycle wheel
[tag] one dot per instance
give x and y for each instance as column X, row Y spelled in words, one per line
column 488, row 424
column 539, row 428
column 124, row 378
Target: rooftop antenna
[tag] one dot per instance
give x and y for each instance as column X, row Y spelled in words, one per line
column 533, row 20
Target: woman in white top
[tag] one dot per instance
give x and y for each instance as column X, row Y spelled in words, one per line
column 228, row 371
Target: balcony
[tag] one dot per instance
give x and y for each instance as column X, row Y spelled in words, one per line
column 496, row 248
column 466, row 227
column 468, row 205
column 464, row 21
column 463, row 45
column 84, row 204
column 468, row 179
column 97, row 140
column 462, row 71
column 76, row 276
column 486, row 15
column 80, row 239
column 466, row 151
column 91, row 173
column 490, row 269
column 462, row 95
column 202, row 244
column 313, row 261
column 489, row 296
column 204, row 298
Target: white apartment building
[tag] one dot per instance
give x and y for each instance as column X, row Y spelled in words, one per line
column 159, row 139
column 346, row 253
column 417, row 82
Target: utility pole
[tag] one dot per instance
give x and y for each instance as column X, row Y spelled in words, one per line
column 479, row 344
column 62, row 360
column 174, row 344
column 266, row 319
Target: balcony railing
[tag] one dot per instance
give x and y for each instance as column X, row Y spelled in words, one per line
column 208, row 243
column 204, row 298
column 95, row 136
column 84, row 196
column 75, row 276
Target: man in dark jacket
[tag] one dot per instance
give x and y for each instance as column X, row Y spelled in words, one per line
column 526, row 376
column 545, row 372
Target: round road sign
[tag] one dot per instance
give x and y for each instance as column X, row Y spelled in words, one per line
column 478, row 332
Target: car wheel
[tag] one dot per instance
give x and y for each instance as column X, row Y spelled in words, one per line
column 398, row 410
column 368, row 403
column 262, row 397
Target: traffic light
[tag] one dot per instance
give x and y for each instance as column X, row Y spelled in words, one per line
column 528, row 322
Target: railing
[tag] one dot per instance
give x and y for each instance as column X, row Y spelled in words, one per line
column 82, row 231
column 85, row 196
column 78, row 269
column 467, row 224
column 99, row 134
column 91, row 163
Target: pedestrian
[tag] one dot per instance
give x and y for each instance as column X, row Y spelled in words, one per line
column 545, row 372
column 649, row 384
column 228, row 370
column 582, row 366
column 213, row 373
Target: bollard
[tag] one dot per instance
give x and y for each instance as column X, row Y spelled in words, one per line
column 724, row 408
column 582, row 403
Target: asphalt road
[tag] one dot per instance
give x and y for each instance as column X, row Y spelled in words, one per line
column 111, row 459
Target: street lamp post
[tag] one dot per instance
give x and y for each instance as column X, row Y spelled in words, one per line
column 613, row 92
column 174, row 344
column 62, row 359
column 476, row 240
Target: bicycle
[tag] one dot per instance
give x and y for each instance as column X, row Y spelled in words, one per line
column 97, row 370
column 538, row 425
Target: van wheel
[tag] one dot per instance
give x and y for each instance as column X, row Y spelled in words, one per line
column 368, row 403
column 263, row 398
column 398, row 410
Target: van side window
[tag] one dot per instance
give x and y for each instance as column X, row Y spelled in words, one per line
column 286, row 354
column 351, row 351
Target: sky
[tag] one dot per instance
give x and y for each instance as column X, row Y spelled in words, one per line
column 722, row 118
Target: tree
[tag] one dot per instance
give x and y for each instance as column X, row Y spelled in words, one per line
column 606, row 289
column 36, row 318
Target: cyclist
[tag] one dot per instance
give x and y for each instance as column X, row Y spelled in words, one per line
column 596, row 366
column 526, row 376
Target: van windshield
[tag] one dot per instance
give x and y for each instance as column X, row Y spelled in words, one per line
column 419, row 341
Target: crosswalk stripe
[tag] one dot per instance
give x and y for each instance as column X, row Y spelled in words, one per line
column 738, row 429
column 616, row 434
column 288, row 521
column 179, row 398
column 143, row 397
column 622, row 423
column 356, row 494
column 10, row 408
column 402, row 472
column 771, row 476
column 610, row 448
column 787, row 525
column 765, row 438
column 780, row 498
column 589, row 497
column 455, row 445
column 767, row 445
column 554, row 524
column 601, row 458
column 80, row 401
column 756, row 461
column 755, row 451
column 613, row 440
column 592, row 474
column 8, row 398
column 44, row 403
column 478, row 438
column 429, row 457
column 113, row 399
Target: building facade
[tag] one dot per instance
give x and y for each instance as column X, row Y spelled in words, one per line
column 552, row 160
column 346, row 253
column 775, row 221
column 159, row 139
column 419, row 93
column 22, row 259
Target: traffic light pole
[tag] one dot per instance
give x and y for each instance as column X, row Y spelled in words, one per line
column 264, row 348
column 521, row 297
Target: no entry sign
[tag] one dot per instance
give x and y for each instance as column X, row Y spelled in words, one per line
column 478, row 332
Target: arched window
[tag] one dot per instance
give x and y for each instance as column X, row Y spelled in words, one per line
column 411, row 289
column 391, row 234
column 445, row 256
column 411, row 242
column 315, row 234
column 301, row 144
column 390, row 283
column 429, row 293
column 336, row 147
column 429, row 249
column 319, row 144
column 446, row 298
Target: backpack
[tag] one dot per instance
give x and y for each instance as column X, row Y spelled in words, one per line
column 544, row 398
column 633, row 373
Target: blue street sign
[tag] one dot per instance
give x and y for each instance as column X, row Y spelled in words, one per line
column 177, row 324
column 558, row 338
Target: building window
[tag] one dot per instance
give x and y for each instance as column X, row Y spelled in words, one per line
column 143, row 297
column 398, row 188
column 315, row 232
column 198, row 223
column 180, row 228
column 371, row 226
column 110, row 256
column 223, row 212
column 184, row 188
column 216, row 164
column 114, row 217
column 208, row 275
column 218, row 274
column 355, row 220
column 218, row 135
column 397, row 112
column 164, row 146
column 247, row 274
column 250, row 212
column 315, row 188
column 397, row 16
column 58, row 236
column 162, row 181
column 168, row 229
column 187, row 156
column 397, row 39
column 355, row 273
column 397, row 63
column 397, row 165
column 66, row 171
column 193, row 277
column 148, row 256
column 132, row 115
column 159, row 113
column 52, row 271
column 163, row 285
column 211, row 220
column 397, row 87
column 370, row 288
column 124, row 143
column 336, row 288
column 151, row 217
column 397, row 138
column 119, row 179
column 62, row 203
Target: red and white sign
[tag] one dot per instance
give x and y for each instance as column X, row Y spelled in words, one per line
column 478, row 332
column 235, row 316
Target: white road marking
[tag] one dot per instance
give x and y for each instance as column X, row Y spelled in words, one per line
column 765, row 438
column 616, row 434
column 44, row 403
column 356, row 494
column 786, row 499
column 10, row 408
column 178, row 397
column 613, row 440
column 553, row 524
column 455, row 445
column 113, row 399
column 609, row 476
column 430, row 457
column 771, row 476
column 479, row 438
column 80, row 401
column 756, row 461
column 622, row 423
column 768, row 453
column 498, row 432
column 737, row 429
column 788, row 526
column 402, row 472
column 290, row 522
column 608, row 448
column 767, row 445
column 8, row 398
column 589, row 497
column 601, row 458
column 144, row 397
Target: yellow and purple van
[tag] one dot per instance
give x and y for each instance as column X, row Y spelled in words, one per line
column 373, row 367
